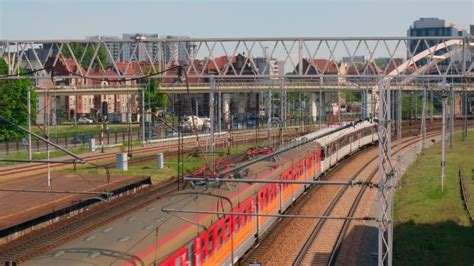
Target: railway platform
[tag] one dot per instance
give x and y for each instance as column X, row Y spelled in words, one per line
column 29, row 203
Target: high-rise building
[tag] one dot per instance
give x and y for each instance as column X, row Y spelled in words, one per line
column 146, row 51
column 428, row 27
column 177, row 49
column 112, row 44
column 270, row 67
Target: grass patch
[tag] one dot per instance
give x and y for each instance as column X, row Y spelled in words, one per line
column 41, row 155
column 432, row 226
column 94, row 129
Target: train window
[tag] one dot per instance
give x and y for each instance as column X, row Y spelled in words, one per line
column 177, row 261
column 190, row 253
column 203, row 248
column 219, row 239
column 210, row 245
column 237, row 223
column 228, row 228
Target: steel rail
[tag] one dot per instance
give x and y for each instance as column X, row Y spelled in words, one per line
column 317, row 229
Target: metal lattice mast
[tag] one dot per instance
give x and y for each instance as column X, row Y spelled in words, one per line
column 385, row 173
column 423, row 120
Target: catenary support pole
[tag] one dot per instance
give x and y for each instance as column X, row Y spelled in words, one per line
column 211, row 118
column 143, row 116
column 269, row 116
column 444, row 95
column 399, row 136
column 28, row 104
column 431, row 106
column 451, row 116
column 219, row 111
column 423, row 120
column 46, row 130
column 282, row 109
column 385, row 174
column 464, row 114
column 321, row 108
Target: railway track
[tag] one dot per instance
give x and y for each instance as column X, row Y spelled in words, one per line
column 310, row 253
column 238, row 138
column 263, row 252
column 59, row 233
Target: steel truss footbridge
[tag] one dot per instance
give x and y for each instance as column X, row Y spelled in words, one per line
column 382, row 65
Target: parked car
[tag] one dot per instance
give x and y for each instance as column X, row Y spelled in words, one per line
column 81, row 138
column 85, row 120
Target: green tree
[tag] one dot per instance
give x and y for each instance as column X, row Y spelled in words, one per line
column 155, row 99
column 413, row 102
column 86, row 52
column 13, row 102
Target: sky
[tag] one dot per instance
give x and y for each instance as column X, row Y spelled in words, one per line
column 66, row 19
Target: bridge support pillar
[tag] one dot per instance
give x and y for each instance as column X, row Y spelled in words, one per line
column 226, row 107
column 322, row 107
column 242, row 100
column 313, row 107
column 370, row 106
column 364, row 104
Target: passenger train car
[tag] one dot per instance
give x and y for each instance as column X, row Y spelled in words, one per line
column 170, row 232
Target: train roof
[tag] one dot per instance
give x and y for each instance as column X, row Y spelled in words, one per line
column 330, row 138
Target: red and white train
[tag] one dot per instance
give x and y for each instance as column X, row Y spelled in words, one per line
column 180, row 236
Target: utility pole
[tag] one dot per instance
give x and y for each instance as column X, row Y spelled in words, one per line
column 30, row 155
column 444, row 95
column 423, row 120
